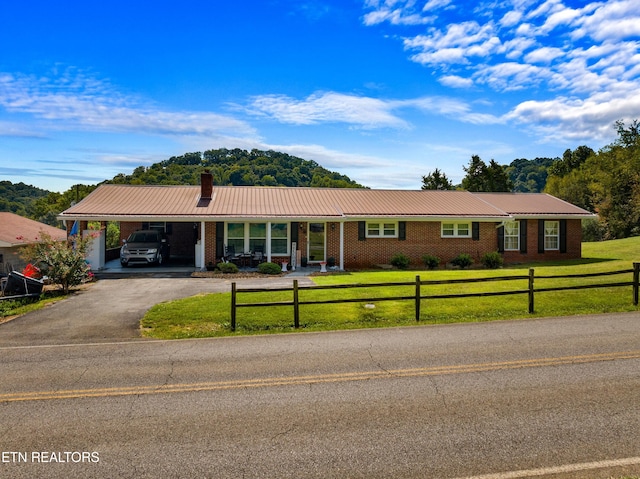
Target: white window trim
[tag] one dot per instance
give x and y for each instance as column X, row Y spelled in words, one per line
column 456, row 225
column 271, row 238
column 556, row 236
column 381, row 229
column 516, row 235
column 268, row 238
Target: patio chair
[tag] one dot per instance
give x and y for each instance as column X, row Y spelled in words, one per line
column 230, row 254
column 258, row 256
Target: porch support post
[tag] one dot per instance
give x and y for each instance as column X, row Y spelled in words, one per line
column 203, row 266
column 342, row 246
column 268, row 245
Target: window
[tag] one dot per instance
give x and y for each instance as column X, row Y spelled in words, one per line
column 257, row 236
column 551, row 235
column 456, row 230
column 235, row 236
column 279, row 238
column 382, row 230
column 512, row 235
column 245, row 237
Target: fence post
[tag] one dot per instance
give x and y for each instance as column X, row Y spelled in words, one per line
column 636, row 282
column 417, row 298
column 233, row 306
column 296, row 307
column 531, row 278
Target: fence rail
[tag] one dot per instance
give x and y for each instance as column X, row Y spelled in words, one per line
column 418, row 297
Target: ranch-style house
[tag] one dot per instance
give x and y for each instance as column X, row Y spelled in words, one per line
column 355, row 228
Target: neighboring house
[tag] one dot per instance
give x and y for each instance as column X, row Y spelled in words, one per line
column 17, row 232
column 358, row 228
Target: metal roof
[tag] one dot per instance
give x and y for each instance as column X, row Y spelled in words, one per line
column 16, row 230
column 532, row 204
column 121, row 202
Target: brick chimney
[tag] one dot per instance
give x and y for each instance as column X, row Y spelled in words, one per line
column 206, row 185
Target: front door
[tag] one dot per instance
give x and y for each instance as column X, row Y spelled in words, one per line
column 316, row 242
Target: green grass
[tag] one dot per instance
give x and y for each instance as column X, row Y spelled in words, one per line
column 209, row 315
column 18, row 307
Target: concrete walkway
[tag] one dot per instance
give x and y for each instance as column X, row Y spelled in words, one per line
column 113, row 269
column 110, row 309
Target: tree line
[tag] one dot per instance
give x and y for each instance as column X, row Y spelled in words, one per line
column 606, row 182
column 229, row 168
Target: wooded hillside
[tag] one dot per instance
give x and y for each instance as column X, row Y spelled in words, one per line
column 18, row 198
column 237, row 167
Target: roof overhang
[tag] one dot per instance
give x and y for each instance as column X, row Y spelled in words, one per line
column 197, row 218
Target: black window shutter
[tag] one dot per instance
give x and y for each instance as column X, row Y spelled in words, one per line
column 563, row 236
column 219, row 239
column 501, row 239
column 362, row 230
column 402, row 230
column 475, row 231
column 540, row 236
column 294, row 232
column 523, row 236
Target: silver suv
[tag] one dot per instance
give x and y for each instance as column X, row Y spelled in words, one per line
column 144, row 247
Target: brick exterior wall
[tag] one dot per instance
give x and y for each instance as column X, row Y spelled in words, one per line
column 422, row 237
column 574, row 245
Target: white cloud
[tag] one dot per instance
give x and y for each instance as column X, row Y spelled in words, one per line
column 435, row 5
column 460, row 41
column 402, row 12
column 588, row 57
column 511, row 18
column 510, row 76
column 613, row 20
column 455, row 81
column 328, row 107
column 566, row 118
column 75, row 101
column 362, row 112
column 544, row 55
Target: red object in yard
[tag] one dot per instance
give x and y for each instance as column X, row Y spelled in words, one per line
column 31, row 271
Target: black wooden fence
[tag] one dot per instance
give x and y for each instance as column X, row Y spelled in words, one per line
column 418, row 297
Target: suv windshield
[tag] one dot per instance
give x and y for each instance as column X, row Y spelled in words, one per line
column 144, row 237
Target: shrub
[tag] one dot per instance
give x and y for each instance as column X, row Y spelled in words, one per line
column 492, row 260
column 63, row 262
column 269, row 268
column 400, row 261
column 228, row 268
column 430, row 261
column 463, row 260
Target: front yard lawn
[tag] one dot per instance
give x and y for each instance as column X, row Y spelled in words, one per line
column 209, row 315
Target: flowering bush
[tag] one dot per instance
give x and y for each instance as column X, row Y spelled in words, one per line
column 63, row 262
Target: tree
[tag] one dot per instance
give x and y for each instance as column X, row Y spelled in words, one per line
column 63, row 262
column 570, row 160
column 436, row 180
column 529, row 176
column 481, row 177
column 606, row 182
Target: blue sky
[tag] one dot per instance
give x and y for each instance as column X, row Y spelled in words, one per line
column 382, row 91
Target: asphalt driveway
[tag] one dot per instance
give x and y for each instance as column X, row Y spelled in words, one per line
column 110, row 309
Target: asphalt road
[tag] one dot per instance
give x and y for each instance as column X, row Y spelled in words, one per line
column 536, row 398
